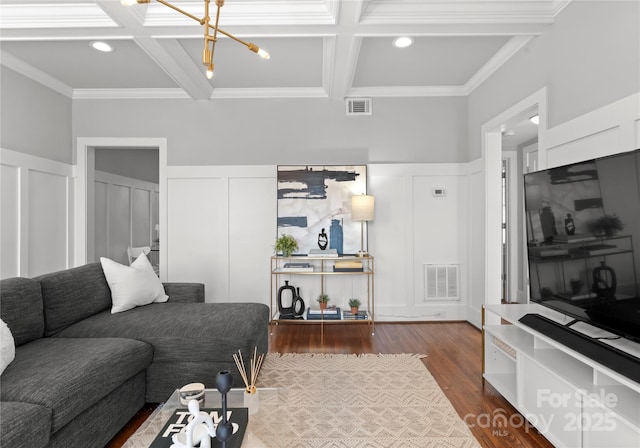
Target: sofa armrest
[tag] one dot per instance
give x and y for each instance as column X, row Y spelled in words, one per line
column 184, row 292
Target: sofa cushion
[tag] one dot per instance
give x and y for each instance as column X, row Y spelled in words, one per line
column 70, row 375
column 24, row 425
column 72, row 295
column 21, row 308
column 134, row 285
column 183, row 332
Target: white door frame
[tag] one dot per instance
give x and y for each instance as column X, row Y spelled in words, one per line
column 492, row 154
column 83, row 218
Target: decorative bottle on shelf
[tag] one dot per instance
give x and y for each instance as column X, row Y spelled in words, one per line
column 335, row 236
column 322, row 240
column 298, row 305
column 569, row 225
column 286, row 301
column 604, row 281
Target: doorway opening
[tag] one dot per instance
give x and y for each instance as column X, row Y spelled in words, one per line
column 514, row 253
column 126, row 199
column 85, row 243
column 519, row 146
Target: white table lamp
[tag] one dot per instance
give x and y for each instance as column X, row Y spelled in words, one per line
column 362, row 209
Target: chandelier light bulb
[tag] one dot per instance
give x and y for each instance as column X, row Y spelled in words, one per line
column 128, row 2
column 210, row 71
column 263, row 54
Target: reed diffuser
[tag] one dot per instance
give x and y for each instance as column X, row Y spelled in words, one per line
column 255, row 366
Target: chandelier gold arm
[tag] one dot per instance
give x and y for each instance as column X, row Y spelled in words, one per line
column 209, row 40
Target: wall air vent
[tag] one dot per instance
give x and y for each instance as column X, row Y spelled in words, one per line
column 358, row 106
column 441, row 282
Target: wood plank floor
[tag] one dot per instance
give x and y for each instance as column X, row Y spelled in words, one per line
column 454, row 358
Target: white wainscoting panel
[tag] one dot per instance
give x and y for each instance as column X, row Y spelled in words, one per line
column 47, row 218
column 101, row 222
column 119, row 222
column 413, row 227
column 608, row 130
column 10, row 226
column 197, row 246
column 126, row 211
column 252, row 233
column 476, row 258
column 140, row 217
column 36, row 214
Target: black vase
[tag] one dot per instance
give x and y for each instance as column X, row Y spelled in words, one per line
column 298, row 305
column 604, row 281
column 286, row 312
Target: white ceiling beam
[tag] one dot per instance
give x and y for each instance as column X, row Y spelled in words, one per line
column 172, row 58
column 19, row 66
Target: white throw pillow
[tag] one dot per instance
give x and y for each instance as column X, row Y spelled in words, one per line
column 134, row 285
column 7, row 346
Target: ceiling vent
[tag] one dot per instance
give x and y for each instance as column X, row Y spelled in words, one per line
column 358, row 106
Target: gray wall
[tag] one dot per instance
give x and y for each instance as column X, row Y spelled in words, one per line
column 35, row 120
column 136, row 163
column 246, row 132
column 590, row 57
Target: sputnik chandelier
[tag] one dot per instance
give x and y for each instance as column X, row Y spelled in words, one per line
column 209, row 39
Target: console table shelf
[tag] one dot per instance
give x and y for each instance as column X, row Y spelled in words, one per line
column 572, row 399
column 323, row 269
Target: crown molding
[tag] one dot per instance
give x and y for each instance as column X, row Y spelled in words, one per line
column 285, row 92
column 67, row 15
column 177, row 93
column 462, row 11
column 406, row 91
column 274, row 12
column 129, row 94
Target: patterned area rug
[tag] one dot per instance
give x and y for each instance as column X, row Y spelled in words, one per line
column 359, row 401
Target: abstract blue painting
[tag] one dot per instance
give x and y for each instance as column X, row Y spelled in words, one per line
column 313, row 198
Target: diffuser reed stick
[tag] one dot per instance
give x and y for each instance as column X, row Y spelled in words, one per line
column 255, row 365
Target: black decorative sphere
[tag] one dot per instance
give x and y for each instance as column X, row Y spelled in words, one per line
column 224, row 381
column 224, row 432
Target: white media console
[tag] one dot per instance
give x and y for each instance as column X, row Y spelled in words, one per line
column 572, row 399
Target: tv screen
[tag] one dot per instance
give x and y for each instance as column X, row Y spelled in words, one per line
column 583, row 239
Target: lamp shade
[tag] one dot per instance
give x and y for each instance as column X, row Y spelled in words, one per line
column 362, row 207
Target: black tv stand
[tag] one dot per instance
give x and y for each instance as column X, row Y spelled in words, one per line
column 615, row 359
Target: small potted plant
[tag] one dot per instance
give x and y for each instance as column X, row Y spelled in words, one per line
column 286, row 244
column 576, row 285
column 354, row 304
column 609, row 224
column 323, row 299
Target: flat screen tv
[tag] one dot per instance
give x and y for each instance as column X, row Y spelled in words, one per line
column 583, row 239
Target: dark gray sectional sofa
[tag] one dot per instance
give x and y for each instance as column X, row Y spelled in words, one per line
column 80, row 373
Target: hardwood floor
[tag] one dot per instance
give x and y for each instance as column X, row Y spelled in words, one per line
column 454, row 359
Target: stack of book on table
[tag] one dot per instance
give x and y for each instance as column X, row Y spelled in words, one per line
column 297, row 267
column 331, row 313
column 347, row 315
column 577, row 238
column 329, row 253
column 548, row 251
column 348, row 266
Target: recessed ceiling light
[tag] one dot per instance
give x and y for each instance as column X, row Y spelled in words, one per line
column 535, row 119
column 402, row 42
column 102, row 46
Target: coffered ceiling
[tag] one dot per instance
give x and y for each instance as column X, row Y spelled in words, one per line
column 319, row 48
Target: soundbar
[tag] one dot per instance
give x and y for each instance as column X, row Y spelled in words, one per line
column 608, row 356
